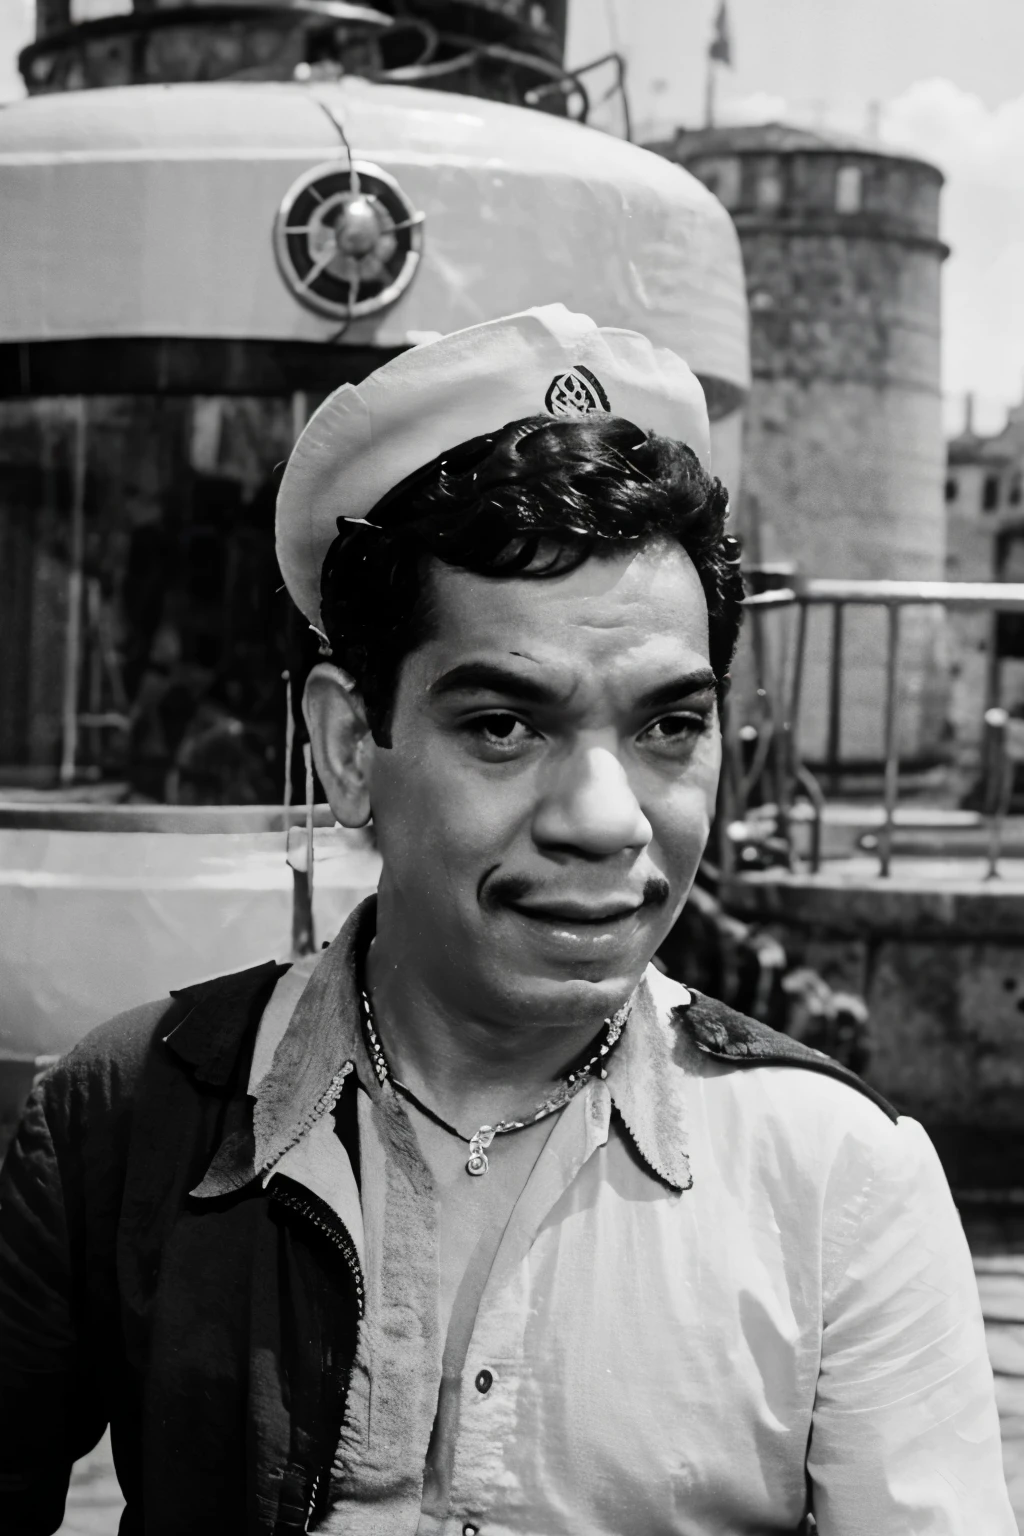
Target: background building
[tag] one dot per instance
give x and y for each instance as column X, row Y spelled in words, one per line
column 842, row 445
column 985, row 542
column 985, row 502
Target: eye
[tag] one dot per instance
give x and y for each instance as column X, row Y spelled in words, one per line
column 500, row 729
column 678, row 730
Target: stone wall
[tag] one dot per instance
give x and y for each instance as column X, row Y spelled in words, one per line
column 940, row 965
column 843, row 478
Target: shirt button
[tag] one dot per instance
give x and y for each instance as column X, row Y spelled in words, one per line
column 484, row 1381
column 470, row 1530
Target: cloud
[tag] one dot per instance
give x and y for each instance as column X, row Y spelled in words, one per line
column 981, row 152
column 956, row 130
column 759, row 107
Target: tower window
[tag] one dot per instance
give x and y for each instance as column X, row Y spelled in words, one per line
column 951, row 489
column 98, row 10
column 722, row 177
column 990, row 493
column 769, row 187
column 849, row 185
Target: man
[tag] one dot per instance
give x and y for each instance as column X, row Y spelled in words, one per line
column 481, row 1224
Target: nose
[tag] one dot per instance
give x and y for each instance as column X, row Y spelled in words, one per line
column 590, row 809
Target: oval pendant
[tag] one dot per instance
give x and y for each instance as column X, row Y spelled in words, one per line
column 477, row 1163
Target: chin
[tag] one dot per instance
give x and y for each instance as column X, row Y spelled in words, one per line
column 555, row 965
column 554, row 999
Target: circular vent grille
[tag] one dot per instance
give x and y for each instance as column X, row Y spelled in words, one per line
column 347, row 239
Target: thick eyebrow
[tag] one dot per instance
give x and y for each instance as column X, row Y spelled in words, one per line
column 677, row 689
column 489, row 676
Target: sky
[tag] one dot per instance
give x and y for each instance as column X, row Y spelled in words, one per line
column 942, row 78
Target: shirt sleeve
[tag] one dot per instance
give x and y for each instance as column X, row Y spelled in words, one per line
column 905, row 1433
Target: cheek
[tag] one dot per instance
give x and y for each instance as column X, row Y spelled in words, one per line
column 681, row 823
column 429, row 810
column 681, row 818
column 709, row 766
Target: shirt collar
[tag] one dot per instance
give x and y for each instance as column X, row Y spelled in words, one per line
column 319, row 1046
column 646, row 1078
column 323, row 1041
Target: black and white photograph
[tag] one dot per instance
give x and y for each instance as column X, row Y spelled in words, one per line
column 511, row 767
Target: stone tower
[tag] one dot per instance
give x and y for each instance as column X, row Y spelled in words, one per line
column 843, row 444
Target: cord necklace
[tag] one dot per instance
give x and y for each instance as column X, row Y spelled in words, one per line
column 568, row 1086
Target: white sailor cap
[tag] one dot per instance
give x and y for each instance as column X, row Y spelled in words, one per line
column 367, row 438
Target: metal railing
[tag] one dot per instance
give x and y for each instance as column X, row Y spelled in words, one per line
column 774, row 761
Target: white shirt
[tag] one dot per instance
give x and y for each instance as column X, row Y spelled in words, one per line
column 721, row 1286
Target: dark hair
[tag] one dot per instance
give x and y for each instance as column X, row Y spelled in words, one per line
column 535, row 500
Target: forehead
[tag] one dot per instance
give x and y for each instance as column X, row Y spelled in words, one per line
column 639, row 608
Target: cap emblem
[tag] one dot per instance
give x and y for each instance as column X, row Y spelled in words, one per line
column 347, row 239
column 576, row 393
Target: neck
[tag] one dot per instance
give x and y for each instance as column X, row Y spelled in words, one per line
column 469, row 1070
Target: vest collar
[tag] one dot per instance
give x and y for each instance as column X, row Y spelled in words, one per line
column 217, row 1015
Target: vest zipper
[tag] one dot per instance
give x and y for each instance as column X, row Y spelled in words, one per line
column 319, row 1214
column 312, row 1502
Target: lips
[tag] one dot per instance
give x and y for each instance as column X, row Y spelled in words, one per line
column 578, row 911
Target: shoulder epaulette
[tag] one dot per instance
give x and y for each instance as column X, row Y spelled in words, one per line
column 720, row 1032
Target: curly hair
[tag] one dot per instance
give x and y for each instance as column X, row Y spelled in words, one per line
column 533, row 500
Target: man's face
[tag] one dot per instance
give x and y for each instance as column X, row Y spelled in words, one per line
column 549, row 788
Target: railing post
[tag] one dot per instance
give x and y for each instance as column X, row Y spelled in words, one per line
column 799, row 775
column 797, row 685
column 782, row 757
column 835, row 688
column 998, row 784
column 792, row 725
column 766, row 730
column 892, row 751
column 993, row 670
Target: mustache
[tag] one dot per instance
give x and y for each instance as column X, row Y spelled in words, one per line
column 507, row 890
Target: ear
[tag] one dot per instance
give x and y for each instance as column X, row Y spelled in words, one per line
column 341, row 742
